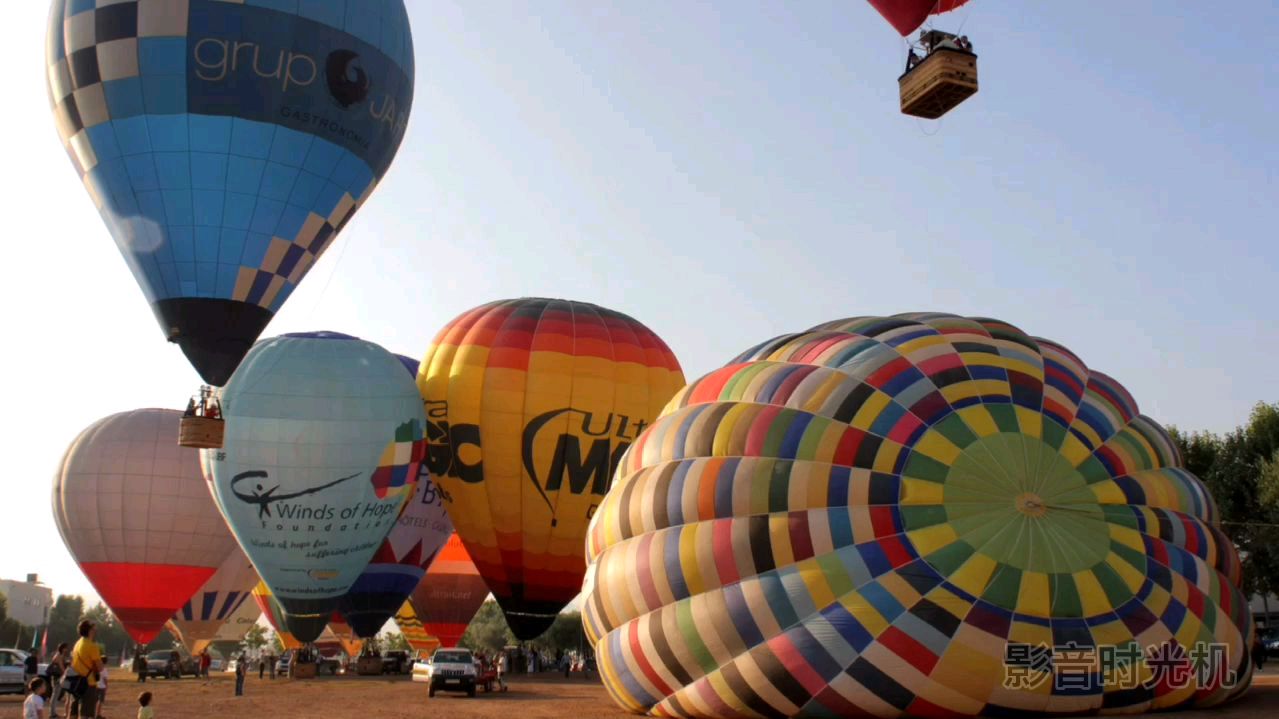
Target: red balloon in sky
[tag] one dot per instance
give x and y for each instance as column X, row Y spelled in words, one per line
column 907, row 15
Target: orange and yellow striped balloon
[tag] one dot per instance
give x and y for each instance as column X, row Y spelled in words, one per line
column 420, row 640
column 530, row 404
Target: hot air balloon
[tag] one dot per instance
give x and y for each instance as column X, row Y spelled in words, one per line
column 234, row 628
column 274, row 615
column 344, row 636
column 915, row 515
column 450, row 594
column 401, row 560
column 943, row 73
column 420, row 641
column 133, row 510
column 530, row 404
column 199, row 620
column 226, row 144
column 324, row 438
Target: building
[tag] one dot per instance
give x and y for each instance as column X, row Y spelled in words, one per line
column 1265, row 611
column 29, row 601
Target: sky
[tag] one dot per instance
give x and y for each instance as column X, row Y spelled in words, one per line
column 726, row 172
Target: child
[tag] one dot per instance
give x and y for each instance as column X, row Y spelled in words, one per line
column 33, row 707
column 102, row 692
column 144, row 706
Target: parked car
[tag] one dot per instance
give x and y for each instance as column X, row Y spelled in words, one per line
column 282, row 664
column 12, row 673
column 160, row 663
column 1270, row 640
column 452, row 669
column 329, row 664
column 397, row 662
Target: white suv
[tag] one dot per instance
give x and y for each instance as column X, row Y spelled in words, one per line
column 452, row 669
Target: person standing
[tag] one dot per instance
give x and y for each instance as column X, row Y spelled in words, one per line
column 102, row 693
column 501, row 670
column 240, row 669
column 261, row 665
column 86, row 662
column 270, row 664
column 205, row 662
column 30, row 667
column 53, row 678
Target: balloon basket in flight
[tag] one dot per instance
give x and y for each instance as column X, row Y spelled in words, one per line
column 939, row 82
column 202, row 426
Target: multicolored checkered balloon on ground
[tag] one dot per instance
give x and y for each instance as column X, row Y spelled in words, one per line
column 226, row 143
column 922, row 515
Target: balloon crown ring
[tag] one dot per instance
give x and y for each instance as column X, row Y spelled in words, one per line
column 1030, row 504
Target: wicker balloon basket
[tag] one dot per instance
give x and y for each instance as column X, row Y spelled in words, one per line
column 201, row 432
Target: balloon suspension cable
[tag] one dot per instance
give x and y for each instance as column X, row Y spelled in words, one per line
column 1252, row 524
column 919, row 122
column 329, row 279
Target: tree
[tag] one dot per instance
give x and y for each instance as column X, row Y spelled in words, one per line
column 488, row 631
column 564, row 635
column 394, row 641
column 63, row 620
column 256, row 638
column 11, row 631
column 1239, row 469
column 277, row 644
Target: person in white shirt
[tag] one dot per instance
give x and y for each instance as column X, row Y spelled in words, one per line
column 102, row 692
column 33, row 707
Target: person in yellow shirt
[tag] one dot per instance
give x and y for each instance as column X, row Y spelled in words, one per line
column 144, row 706
column 86, row 661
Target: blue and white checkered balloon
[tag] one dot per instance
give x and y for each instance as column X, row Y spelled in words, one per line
column 226, row 143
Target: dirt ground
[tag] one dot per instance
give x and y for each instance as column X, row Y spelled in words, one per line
column 546, row 696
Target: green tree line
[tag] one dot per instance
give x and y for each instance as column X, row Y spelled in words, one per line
column 1241, row 470
column 488, row 632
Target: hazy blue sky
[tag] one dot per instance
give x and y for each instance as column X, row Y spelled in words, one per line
column 725, row 172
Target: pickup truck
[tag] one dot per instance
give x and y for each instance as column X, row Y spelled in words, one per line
column 452, row 669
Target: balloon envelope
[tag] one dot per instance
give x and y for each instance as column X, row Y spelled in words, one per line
column 324, row 435
column 237, row 625
column 217, row 600
column 884, row 515
column 414, row 632
column 226, row 144
column 274, row 615
column 907, row 15
column 531, row 402
column 344, row 636
column 450, row 594
column 133, row 510
column 400, row 562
